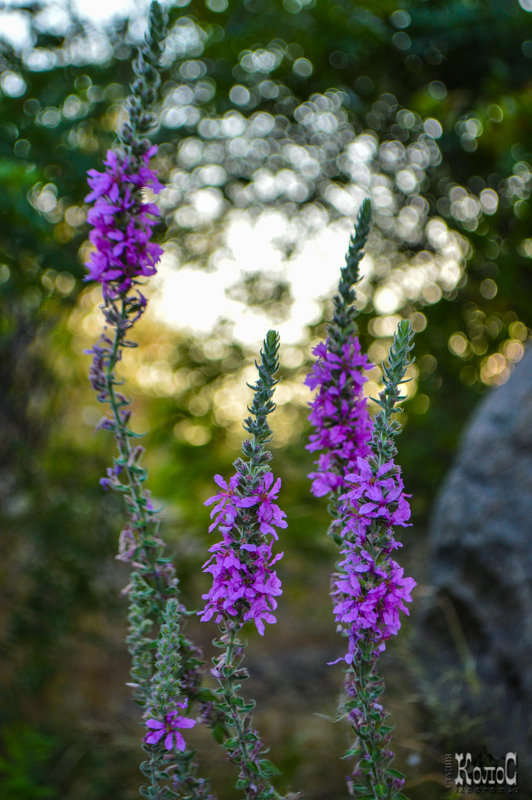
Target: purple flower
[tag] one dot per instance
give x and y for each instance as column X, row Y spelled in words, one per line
column 338, row 413
column 228, row 501
column 111, row 481
column 369, row 595
column 169, row 729
column 268, row 513
column 374, row 497
column 244, row 583
column 369, row 590
column 122, row 222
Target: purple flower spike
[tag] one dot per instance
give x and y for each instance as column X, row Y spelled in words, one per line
column 368, row 598
column 338, row 413
column 356, row 465
column 244, row 585
column 242, row 582
column 122, row 222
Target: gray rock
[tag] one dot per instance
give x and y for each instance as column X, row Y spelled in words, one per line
column 475, row 630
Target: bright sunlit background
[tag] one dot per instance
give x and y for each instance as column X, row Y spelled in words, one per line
column 55, row 16
column 197, row 300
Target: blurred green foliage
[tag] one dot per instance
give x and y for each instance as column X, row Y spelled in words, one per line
column 26, row 754
column 303, row 106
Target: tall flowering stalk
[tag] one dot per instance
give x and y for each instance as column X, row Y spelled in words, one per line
column 339, row 412
column 357, row 469
column 165, row 664
column 244, row 582
column 369, row 588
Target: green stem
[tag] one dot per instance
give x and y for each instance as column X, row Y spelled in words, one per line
column 230, row 696
column 142, row 518
column 122, row 438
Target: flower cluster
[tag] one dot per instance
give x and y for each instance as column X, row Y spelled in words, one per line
column 369, row 598
column 370, row 589
column 244, row 582
column 338, row 413
column 122, row 222
column 373, row 497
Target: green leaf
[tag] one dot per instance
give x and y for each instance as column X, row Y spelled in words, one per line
column 361, row 792
column 205, row 695
column 232, row 743
column 268, row 768
column 218, row 732
column 395, row 773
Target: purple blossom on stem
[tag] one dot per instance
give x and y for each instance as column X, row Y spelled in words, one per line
column 373, row 497
column 244, row 583
column 368, row 598
column 173, row 740
column 122, row 222
column 165, row 663
column 268, row 512
column 338, row 413
column 227, row 502
column 369, row 589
